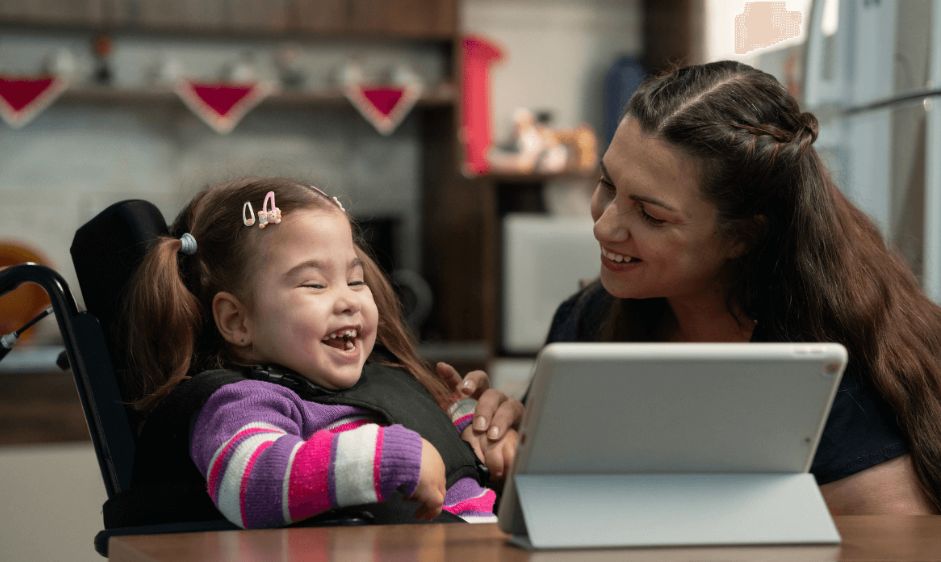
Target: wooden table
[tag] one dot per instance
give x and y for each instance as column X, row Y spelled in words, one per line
column 869, row 537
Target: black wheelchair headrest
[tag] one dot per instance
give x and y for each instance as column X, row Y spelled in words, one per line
column 107, row 250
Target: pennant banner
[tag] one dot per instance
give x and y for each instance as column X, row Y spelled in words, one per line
column 222, row 105
column 385, row 107
column 22, row 99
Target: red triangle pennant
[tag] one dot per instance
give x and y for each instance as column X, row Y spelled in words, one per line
column 221, row 105
column 383, row 106
column 23, row 98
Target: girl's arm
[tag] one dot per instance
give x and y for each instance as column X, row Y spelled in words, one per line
column 270, row 458
column 462, row 413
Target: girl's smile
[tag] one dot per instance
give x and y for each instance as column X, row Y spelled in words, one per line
column 311, row 310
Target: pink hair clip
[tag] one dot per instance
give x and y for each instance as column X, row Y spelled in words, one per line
column 269, row 215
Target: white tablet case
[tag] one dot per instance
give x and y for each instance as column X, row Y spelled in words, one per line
column 673, row 444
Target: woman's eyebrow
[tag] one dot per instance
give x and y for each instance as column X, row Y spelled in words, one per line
column 652, row 201
column 642, row 198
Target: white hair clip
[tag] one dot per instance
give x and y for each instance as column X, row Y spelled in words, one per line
column 248, row 214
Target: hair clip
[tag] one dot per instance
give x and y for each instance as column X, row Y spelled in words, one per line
column 323, row 194
column 268, row 214
column 248, row 214
column 187, row 244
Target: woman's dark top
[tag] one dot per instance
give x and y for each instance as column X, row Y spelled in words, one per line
column 860, row 432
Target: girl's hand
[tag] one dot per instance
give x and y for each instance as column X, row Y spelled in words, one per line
column 431, row 483
column 498, row 455
column 495, row 413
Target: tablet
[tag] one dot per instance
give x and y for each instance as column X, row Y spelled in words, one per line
column 662, row 408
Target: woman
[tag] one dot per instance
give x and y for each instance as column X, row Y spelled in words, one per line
column 718, row 222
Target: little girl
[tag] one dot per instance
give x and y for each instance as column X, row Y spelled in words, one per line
column 252, row 335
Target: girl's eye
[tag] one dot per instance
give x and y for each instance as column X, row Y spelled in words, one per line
column 606, row 185
column 650, row 218
column 358, row 283
column 314, row 285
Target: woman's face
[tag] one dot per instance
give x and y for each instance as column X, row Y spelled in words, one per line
column 657, row 233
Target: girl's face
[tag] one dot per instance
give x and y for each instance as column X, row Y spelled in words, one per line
column 311, row 310
column 657, row 234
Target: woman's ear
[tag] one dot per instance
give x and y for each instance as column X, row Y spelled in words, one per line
column 231, row 317
column 749, row 232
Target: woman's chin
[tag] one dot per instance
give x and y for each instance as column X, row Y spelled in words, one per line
column 616, row 287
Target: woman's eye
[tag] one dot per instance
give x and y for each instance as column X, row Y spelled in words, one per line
column 650, row 218
column 358, row 283
column 314, row 285
column 606, row 185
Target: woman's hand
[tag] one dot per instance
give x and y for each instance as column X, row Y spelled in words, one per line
column 496, row 412
column 492, row 432
column 498, row 455
column 429, row 492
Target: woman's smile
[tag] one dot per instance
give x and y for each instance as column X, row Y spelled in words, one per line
column 618, row 262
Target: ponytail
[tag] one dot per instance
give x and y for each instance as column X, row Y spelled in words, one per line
column 163, row 319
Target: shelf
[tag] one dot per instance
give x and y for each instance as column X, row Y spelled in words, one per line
column 526, row 178
column 172, row 31
column 440, row 96
column 296, row 20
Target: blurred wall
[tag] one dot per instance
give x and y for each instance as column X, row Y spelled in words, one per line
column 556, row 53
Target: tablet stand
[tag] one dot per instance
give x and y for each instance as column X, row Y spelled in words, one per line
column 585, row 511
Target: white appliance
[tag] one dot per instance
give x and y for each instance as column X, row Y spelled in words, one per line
column 544, row 259
column 875, row 85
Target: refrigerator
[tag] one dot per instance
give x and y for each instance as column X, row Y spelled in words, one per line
column 874, row 83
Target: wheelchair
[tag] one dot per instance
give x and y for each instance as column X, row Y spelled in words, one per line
column 106, row 252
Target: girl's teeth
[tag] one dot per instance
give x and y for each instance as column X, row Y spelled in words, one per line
column 349, row 346
column 344, row 334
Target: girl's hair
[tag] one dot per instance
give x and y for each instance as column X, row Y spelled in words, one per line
column 169, row 328
column 817, row 268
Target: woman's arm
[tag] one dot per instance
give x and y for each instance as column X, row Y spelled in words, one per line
column 888, row 487
column 249, row 443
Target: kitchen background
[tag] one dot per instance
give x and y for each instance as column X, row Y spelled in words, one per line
column 481, row 259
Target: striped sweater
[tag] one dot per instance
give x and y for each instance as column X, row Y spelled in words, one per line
column 271, row 458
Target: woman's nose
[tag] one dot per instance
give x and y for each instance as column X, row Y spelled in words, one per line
column 611, row 226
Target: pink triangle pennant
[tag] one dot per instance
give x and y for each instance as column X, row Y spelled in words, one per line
column 384, row 106
column 222, row 105
column 23, row 98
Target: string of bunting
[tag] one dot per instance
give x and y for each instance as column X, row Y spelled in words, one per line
column 23, row 98
column 221, row 105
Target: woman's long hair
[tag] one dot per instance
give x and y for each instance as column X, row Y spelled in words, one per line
column 818, row 268
column 169, row 327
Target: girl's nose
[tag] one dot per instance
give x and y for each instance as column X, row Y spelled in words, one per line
column 347, row 302
column 611, row 226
